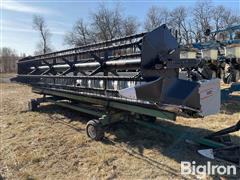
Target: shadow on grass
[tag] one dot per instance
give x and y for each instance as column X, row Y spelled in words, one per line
column 53, row 112
column 230, row 107
column 135, row 139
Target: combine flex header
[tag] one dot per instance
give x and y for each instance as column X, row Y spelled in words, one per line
column 143, row 67
column 134, row 78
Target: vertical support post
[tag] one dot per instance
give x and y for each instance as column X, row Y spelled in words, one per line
column 54, row 72
column 75, row 70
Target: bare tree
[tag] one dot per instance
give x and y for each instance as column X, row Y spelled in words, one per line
column 80, row 35
column 8, row 59
column 202, row 16
column 223, row 17
column 178, row 22
column 155, row 17
column 106, row 23
column 130, row 26
column 40, row 25
column 218, row 17
column 194, row 32
column 229, row 18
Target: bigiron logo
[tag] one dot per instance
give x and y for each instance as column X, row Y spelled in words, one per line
column 190, row 168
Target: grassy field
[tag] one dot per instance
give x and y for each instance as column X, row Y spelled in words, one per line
column 52, row 143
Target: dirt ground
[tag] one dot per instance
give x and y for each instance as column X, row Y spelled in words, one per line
column 52, row 143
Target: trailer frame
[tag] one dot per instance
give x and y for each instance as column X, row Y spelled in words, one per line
column 114, row 111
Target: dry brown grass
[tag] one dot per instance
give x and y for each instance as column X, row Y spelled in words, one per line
column 52, row 144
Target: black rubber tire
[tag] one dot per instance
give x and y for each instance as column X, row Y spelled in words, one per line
column 151, row 119
column 94, row 130
column 235, row 75
column 32, row 105
column 227, row 79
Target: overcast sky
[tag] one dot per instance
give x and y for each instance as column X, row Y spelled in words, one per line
column 16, row 17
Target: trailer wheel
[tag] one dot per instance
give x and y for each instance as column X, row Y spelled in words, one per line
column 150, row 119
column 235, row 75
column 32, row 105
column 94, row 130
column 228, row 78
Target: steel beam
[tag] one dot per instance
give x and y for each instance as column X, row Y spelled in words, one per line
column 134, row 107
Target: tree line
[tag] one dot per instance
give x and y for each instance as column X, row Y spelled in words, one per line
column 188, row 24
column 8, row 60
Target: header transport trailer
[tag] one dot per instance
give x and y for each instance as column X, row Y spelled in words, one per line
column 134, row 78
column 136, row 75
